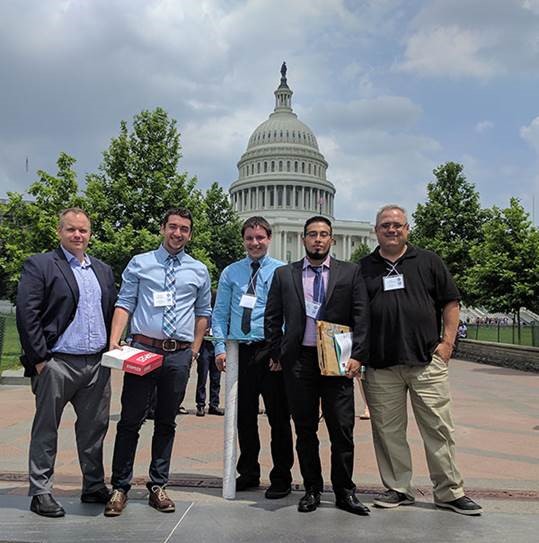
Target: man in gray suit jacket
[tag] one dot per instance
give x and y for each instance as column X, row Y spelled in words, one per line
column 319, row 287
column 65, row 301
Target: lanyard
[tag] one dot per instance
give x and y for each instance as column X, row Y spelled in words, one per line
column 392, row 269
column 252, row 278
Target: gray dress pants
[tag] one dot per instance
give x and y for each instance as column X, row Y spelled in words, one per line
column 81, row 380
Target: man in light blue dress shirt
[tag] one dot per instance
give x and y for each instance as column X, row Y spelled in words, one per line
column 165, row 297
column 239, row 314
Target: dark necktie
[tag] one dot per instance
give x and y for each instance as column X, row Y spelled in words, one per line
column 319, row 290
column 246, row 316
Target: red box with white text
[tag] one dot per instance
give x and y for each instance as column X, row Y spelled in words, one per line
column 132, row 360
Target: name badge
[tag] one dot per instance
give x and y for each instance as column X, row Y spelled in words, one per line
column 312, row 309
column 248, row 301
column 393, row 282
column 163, row 299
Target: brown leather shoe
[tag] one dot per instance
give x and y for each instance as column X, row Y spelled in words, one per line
column 116, row 504
column 159, row 500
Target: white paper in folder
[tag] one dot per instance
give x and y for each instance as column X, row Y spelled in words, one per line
column 343, row 348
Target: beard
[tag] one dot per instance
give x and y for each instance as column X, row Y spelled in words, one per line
column 318, row 255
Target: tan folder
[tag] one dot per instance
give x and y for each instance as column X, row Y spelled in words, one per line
column 325, row 346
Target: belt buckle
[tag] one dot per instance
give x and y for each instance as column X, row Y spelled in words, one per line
column 169, row 345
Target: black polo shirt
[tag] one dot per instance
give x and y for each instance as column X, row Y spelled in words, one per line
column 406, row 323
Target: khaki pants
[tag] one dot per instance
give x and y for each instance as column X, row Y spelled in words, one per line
column 387, row 391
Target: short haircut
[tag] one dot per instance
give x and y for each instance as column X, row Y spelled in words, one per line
column 76, row 211
column 389, row 207
column 253, row 222
column 180, row 211
column 317, row 218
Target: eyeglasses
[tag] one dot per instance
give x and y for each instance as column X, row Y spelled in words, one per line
column 313, row 235
column 394, row 225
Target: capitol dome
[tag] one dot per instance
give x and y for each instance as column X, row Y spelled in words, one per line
column 282, row 169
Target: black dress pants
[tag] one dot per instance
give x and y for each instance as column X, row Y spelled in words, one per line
column 206, row 365
column 255, row 379
column 168, row 382
column 306, row 389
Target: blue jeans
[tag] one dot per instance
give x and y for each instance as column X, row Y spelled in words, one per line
column 169, row 382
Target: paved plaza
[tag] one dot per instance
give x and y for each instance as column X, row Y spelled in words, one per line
column 496, row 412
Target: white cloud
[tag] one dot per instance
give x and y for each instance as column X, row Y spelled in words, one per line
column 389, row 112
column 448, row 51
column 530, row 134
column 472, row 38
column 484, row 126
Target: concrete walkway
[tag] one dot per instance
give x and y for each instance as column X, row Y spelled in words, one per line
column 496, row 412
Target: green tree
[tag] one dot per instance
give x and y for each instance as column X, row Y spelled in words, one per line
column 138, row 180
column 29, row 225
column 505, row 275
column 450, row 222
column 359, row 252
column 224, row 223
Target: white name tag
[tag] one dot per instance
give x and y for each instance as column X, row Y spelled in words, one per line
column 163, row 299
column 312, row 309
column 393, row 282
column 248, row 301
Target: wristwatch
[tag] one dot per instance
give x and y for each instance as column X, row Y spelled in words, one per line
column 195, row 356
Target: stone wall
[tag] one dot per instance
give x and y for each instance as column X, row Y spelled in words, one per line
column 499, row 354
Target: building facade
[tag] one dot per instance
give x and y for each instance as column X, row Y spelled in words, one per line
column 282, row 176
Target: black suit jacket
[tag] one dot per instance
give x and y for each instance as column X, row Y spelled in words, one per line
column 346, row 303
column 47, row 299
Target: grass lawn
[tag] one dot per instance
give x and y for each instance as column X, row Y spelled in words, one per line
column 503, row 334
column 11, row 348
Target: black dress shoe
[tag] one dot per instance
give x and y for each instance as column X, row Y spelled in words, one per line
column 200, row 411
column 351, row 504
column 46, row 506
column 309, row 502
column 277, row 491
column 99, row 496
column 216, row 411
column 243, row 482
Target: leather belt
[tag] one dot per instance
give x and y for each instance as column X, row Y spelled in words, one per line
column 168, row 345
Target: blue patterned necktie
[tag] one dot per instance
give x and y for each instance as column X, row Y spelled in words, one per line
column 319, row 290
column 169, row 315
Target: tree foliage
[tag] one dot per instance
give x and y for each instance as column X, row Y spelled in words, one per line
column 138, row 180
column 29, row 226
column 359, row 252
column 225, row 226
column 505, row 273
column 450, row 222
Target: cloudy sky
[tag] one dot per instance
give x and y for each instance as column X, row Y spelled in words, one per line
column 391, row 88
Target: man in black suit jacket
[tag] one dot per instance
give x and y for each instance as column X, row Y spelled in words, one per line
column 65, row 302
column 319, row 288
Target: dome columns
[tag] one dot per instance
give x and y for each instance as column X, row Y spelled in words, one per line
column 283, row 196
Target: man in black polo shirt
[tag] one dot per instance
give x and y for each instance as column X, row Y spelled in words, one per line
column 411, row 293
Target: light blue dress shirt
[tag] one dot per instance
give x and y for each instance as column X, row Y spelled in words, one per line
column 233, row 284
column 87, row 333
column 145, row 275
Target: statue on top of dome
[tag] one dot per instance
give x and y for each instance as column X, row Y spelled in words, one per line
column 283, row 69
